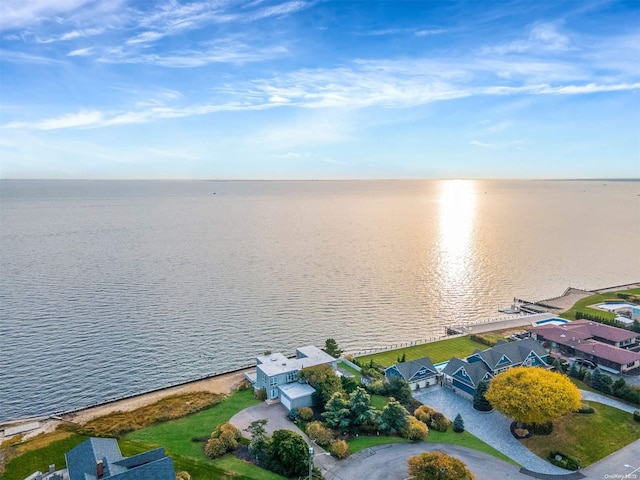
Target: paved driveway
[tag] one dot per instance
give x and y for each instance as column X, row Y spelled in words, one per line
column 492, row 428
column 276, row 416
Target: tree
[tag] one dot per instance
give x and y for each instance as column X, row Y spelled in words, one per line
column 259, row 444
column 360, row 407
column 399, row 389
column 348, row 384
column 438, row 466
column 324, row 380
column 291, row 452
column 393, row 417
column 532, row 395
column 573, row 370
column 319, row 433
column 337, row 413
column 331, row 347
column 480, row 402
column 458, row 424
column 223, row 439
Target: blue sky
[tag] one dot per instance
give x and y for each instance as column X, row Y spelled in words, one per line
column 313, row 89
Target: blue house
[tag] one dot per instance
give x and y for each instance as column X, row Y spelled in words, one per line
column 418, row 373
column 100, row 458
column 464, row 375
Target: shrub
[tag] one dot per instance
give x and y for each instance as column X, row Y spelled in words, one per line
column 563, row 461
column 458, row 424
column 377, row 387
column 319, row 433
column 585, row 409
column 261, row 394
column 636, row 415
column 223, row 439
column 540, row 428
column 439, row 422
column 423, row 413
column 339, row 449
column 293, row 414
column 416, row 431
column 183, row 475
column 306, row 414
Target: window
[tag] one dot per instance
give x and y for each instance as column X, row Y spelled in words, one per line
column 273, row 381
column 292, row 377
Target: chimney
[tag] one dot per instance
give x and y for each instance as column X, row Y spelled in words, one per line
column 99, row 469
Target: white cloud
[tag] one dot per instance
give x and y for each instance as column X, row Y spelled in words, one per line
column 81, row 52
column 81, row 119
column 477, row 143
column 542, row 37
column 21, row 13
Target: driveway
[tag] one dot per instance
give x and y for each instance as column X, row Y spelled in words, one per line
column 492, row 428
column 276, row 416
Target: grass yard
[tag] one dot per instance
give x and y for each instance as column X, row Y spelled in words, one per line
column 607, row 431
column 175, row 436
column 439, row 351
column 379, row 401
column 40, row 458
column 360, row 443
column 356, row 374
column 594, row 299
column 464, row 439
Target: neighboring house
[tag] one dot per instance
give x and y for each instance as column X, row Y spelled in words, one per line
column 278, row 375
column 418, row 373
column 100, row 458
column 464, row 375
column 607, row 346
column 564, row 335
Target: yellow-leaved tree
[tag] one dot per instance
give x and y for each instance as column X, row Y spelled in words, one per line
column 533, row 395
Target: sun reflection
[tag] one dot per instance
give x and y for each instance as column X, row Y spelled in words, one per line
column 457, row 213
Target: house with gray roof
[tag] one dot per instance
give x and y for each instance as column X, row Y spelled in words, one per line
column 277, row 375
column 418, row 373
column 100, row 458
column 464, row 375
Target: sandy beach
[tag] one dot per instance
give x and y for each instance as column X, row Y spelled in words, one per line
column 223, row 384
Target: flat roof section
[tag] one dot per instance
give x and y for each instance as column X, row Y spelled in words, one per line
column 297, row 390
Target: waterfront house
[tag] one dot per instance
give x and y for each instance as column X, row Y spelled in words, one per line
column 278, row 375
column 418, row 373
column 609, row 347
column 100, row 458
column 464, row 375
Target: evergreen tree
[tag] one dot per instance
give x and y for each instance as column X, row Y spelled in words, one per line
column 586, row 377
column 480, row 403
column 458, row 424
column 596, row 378
column 338, row 414
column 331, row 347
column 360, row 407
column 573, row 370
column 404, row 358
column 606, row 384
column 393, row 418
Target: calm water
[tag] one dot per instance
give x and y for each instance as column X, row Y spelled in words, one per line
column 112, row 288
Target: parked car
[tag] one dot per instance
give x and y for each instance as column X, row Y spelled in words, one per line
column 581, row 362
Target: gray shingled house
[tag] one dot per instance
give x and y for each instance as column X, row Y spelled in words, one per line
column 464, row 375
column 100, row 458
column 418, row 373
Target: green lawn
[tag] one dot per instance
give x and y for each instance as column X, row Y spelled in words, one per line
column 360, row 443
column 597, row 298
column 607, row 431
column 379, row 401
column 356, row 374
column 175, row 436
column 464, row 439
column 40, row 459
column 439, row 351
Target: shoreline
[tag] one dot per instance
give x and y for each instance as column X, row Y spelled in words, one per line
column 223, row 383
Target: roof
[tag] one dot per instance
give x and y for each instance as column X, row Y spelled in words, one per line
column 277, row 363
column 583, row 329
column 297, row 390
column 476, row 371
column 82, row 462
column 409, row 369
column 608, row 352
column 507, row 354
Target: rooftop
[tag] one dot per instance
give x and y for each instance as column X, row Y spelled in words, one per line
column 297, row 390
column 608, row 352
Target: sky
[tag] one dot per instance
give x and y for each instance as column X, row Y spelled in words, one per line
column 116, row 89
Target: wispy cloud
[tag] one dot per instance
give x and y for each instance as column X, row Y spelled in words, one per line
column 542, row 37
column 478, row 143
column 21, row 13
column 81, row 52
column 23, row 57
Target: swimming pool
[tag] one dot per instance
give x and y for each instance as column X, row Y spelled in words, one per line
column 552, row 321
column 615, row 306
